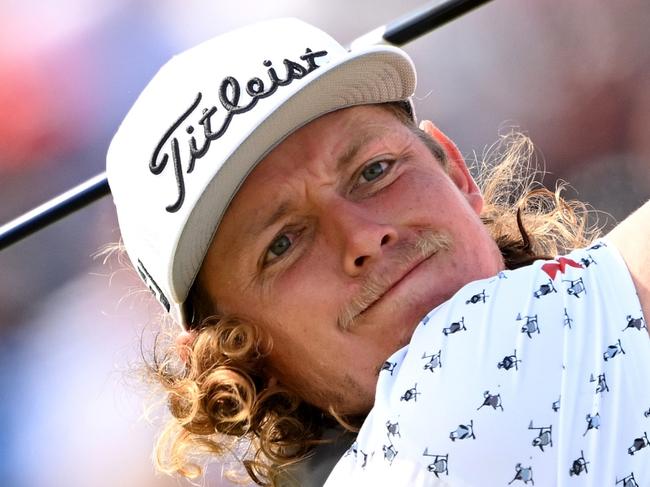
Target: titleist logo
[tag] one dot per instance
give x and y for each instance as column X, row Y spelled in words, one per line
column 182, row 145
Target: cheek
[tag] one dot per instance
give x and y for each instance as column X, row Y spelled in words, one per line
column 431, row 199
column 426, row 198
column 308, row 289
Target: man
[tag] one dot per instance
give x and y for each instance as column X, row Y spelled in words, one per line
column 276, row 196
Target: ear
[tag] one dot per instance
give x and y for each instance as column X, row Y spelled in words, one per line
column 458, row 171
column 184, row 341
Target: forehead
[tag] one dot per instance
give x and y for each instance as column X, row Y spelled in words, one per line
column 328, row 141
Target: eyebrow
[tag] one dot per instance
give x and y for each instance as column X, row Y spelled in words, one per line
column 350, row 152
column 353, row 149
column 279, row 213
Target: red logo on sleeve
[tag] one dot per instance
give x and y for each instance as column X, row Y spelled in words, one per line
column 555, row 266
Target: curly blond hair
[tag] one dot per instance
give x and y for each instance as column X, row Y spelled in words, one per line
column 223, row 405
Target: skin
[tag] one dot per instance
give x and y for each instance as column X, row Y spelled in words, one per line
column 349, row 217
column 632, row 239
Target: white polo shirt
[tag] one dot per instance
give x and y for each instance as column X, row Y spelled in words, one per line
column 538, row 376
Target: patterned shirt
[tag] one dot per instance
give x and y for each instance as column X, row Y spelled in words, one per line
column 537, row 376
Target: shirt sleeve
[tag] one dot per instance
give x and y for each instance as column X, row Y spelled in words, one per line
column 538, row 376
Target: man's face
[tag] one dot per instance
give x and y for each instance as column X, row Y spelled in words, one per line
column 339, row 242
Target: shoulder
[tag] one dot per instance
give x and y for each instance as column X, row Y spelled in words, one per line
column 490, row 356
column 542, row 286
column 632, row 238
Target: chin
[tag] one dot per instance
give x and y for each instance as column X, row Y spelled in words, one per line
column 421, row 305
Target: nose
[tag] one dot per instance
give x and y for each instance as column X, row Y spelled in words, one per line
column 361, row 234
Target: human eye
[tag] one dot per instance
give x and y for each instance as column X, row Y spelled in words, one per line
column 278, row 247
column 372, row 171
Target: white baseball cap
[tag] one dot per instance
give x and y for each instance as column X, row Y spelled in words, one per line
column 209, row 116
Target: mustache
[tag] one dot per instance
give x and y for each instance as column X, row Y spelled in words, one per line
column 376, row 284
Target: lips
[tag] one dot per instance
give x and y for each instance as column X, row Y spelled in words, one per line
column 374, row 290
column 388, row 276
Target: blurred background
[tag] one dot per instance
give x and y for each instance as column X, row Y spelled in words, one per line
column 574, row 75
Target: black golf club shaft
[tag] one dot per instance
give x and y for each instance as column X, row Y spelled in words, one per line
column 398, row 33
